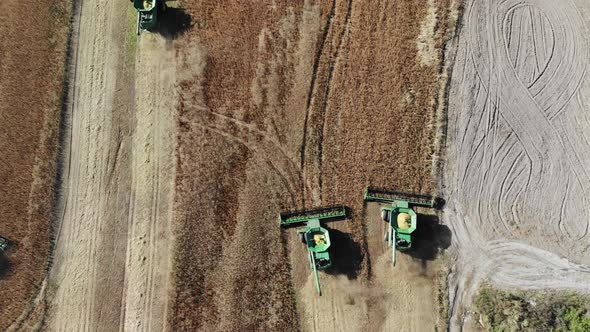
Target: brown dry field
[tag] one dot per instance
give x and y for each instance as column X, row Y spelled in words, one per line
column 289, row 105
column 32, row 57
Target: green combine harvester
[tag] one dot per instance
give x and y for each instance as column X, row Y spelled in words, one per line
column 147, row 13
column 400, row 216
column 316, row 237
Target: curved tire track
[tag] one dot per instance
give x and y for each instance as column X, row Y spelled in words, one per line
column 524, row 164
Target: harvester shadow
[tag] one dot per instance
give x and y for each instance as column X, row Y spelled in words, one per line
column 429, row 239
column 346, row 255
column 5, row 266
column 174, row 22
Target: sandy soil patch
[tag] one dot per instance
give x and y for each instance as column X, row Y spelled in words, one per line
column 148, row 255
column 92, row 227
column 518, row 163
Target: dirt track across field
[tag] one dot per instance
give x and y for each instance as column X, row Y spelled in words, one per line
column 111, row 262
column 518, row 172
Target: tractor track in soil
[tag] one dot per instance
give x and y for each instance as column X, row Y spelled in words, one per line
column 518, row 177
column 148, row 258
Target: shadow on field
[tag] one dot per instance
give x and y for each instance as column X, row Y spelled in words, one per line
column 173, row 22
column 5, row 266
column 429, row 239
column 346, row 254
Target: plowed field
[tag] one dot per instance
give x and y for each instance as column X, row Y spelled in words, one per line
column 519, row 159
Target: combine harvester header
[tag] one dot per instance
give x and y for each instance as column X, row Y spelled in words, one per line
column 316, row 237
column 388, row 196
column 400, row 216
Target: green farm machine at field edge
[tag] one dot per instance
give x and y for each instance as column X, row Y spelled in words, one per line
column 314, row 235
column 147, row 13
column 400, row 216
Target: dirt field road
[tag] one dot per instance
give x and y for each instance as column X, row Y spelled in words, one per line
column 148, row 250
column 518, row 175
column 92, row 232
column 111, row 259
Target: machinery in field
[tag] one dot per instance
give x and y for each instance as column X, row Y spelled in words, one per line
column 313, row 235
column 147, row 13
column 400, row 216
column 3, row 243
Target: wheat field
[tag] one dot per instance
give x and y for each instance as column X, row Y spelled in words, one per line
column 32, row 58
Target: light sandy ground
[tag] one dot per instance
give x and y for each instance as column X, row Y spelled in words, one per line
column 148, row 248
column 112, row 260
column 518, row 173
column 88, row 257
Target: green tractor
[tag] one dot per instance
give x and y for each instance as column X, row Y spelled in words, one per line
column 313, row 235
column 400, row 216
column 3, row 243
column 147, row 13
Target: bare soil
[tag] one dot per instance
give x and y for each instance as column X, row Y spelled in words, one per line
column 518, row 162
column 91, row 235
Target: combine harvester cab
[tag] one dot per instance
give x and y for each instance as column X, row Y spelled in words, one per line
column 400, row 216
column 313, row 235
column 147, row 13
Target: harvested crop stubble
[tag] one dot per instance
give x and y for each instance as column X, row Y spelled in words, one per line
column 32, row 53
column 289, row 105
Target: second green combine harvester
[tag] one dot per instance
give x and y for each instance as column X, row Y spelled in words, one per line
column 400, row 216
column 313, row 235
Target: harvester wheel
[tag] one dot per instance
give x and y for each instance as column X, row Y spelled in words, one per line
column 385, row 215
column 302, row 237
